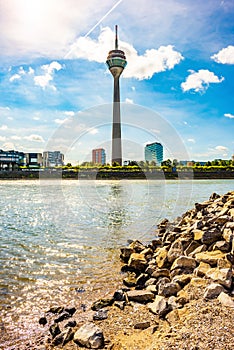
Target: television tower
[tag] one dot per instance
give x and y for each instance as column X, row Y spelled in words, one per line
column 116, row 62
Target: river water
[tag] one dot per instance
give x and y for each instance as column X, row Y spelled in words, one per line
column 60, row 240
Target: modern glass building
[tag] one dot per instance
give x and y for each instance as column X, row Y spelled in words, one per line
column 154, row 152
column 52, row 159
column 99, row 156
column 11, row 160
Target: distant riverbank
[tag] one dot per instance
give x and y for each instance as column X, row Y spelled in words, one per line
column 117, row 174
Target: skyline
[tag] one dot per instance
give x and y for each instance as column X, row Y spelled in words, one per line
column 180, row 67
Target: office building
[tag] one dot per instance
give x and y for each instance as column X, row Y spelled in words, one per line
column 11, row 160
column 116, row 62
column 33, row 160
column 99, row 156
column 154, row 152
column 53, row 159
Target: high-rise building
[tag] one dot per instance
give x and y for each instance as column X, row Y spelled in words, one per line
column 99, row 156
column 154, row 152
column 116, row 62
column 53, row 158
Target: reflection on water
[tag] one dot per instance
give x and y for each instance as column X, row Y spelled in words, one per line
column 59, row 237
column 117, row 214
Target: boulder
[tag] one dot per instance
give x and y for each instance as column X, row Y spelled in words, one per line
column 137, row 246
column 210, row 236
column 161, row 273
column 140, row 296
column 168, row 289
column 152, row 288
column 99, row 304
column 126, row 253
column 210, row 257
column 202, row 268
column 173, row 317
column 197, row 234
column 228, row 234
column 137, row 261
column 222, row 276
column 90, row 336
column 184, row 262
column 175, row 251
column 213, row 291
column 191, row 247
column 130, row 280
column 226, row 300
column 100, row 315
column 159, row 306
column 161, row 257
column 150, row 281
column 182, row 279
column 64, row 337
column 223, row 246
column 199, row 249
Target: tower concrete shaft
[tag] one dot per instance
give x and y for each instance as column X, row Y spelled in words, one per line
column 116, row 62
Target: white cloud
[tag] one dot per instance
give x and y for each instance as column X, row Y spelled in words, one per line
column 34, row 137
column 60, row 121
column 93, row 131
column 69, row 113
column 44, row 80
column 43, row 28
column 16, row 138
column 4, row 109
column 18, row 75
column 2, row 138
column 3, row 127
column 199, row 81
column 153, row 61
column 224, row 56
column 228, row 115
column 139, row 66
column 36, row 118
column 221, row 148
column 15, row 77
column 8, row 146
column 191, row 140
column 128, row 100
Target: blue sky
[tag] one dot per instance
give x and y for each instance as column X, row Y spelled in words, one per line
column 177, row 88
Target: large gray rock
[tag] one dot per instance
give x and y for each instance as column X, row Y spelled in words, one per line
column 213, row 290
column 160, row 306
column 90, row 336
column 140, row 296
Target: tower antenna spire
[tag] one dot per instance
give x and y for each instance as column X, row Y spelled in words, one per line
column 116, row 37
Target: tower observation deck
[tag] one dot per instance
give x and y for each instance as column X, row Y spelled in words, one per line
column 116, row 62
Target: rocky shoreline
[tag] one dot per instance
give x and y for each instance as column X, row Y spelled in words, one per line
column 177, row 291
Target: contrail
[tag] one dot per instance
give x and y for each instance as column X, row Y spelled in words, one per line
column 92, row 29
